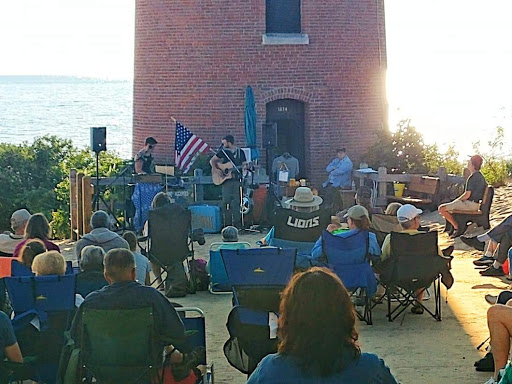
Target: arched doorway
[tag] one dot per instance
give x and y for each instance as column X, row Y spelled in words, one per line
column 288, row 114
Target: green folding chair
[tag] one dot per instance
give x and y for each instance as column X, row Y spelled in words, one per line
column 119, row 346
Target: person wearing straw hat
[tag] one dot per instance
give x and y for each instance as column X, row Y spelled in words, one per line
column 303, row 201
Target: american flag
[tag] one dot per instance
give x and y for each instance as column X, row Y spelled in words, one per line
column 187, row 147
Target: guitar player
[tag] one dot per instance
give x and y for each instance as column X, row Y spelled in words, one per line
column 229, row 153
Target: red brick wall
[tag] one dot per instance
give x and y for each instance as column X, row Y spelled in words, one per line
column 193, row 60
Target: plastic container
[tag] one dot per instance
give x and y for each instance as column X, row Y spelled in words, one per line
column 207, row 217
column 399, row 189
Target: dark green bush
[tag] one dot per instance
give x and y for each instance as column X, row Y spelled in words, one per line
column 36, row 176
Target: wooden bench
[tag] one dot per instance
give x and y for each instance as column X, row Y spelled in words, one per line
column 420, row 191
column 480, row 217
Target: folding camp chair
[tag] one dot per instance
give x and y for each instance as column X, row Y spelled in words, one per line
column 414, row 264
column 43, row 309
column 219, row 282
column 299, row 230
column 19, row 269
column 119, row 346
column 257, row 277
column 194, row 321
column 348, row 256
column 382, row 225
column 170, row 244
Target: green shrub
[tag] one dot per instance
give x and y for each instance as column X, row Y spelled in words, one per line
column 494, row 168
column 404, row 151
column 36, row 176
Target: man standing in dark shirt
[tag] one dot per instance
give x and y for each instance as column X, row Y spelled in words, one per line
column 123, row 292
column 230, row 154
column 473, row 193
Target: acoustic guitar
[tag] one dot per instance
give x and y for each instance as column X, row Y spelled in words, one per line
column 225, row 172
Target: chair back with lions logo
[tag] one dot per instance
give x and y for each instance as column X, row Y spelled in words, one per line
column 300, row 226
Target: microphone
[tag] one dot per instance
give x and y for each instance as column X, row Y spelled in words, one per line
column 220, row 147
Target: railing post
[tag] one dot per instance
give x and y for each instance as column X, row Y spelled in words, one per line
column 198, row 188
column 382, row 187
column 87, row 192
column 73, row 209
column 80, row 213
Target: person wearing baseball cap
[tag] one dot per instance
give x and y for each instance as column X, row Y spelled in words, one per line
column 358, row 220
column 9, row 241
column 470, row 200
column 409, row 219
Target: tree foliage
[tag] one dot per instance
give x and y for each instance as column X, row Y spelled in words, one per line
column 404, row 151
column 36, row 176
column 495, row 168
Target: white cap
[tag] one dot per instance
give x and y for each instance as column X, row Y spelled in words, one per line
column 407, row 212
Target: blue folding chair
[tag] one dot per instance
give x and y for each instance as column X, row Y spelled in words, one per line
column 19, row 269
column 257, row 277
column 219, row 282
column 193, row 319
column 347, row 256
column 43, row 308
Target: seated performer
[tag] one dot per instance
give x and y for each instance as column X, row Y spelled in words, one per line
column 144, row 158
column 230, row 154
column 469, row 200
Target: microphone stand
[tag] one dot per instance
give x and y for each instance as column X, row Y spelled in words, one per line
column 240, row 182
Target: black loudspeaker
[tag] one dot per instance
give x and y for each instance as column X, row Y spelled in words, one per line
column 269, row 135
column 98, row 139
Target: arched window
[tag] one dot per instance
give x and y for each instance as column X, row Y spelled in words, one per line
column 283, row 16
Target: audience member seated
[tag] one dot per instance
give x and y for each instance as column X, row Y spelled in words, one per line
column 499, row 241
column 91, row 276
column 30, row 250
column 142, row 264
column 409, row 219
column 499, row 321
column 392, row 208
column 318, row 339
column 100, row 235
column 357, row 220
column 9, row 241
column 37, row 228
column 230, row 239
column 9, row 348
column 49, row 263
column 302, row 201
column 470, row 200
column 123, row 292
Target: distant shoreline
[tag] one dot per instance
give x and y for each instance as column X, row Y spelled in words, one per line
column 48, row 79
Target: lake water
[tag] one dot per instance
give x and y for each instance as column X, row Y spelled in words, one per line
column 34, row 106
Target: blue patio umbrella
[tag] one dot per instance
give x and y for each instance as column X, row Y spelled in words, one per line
column 250, row 123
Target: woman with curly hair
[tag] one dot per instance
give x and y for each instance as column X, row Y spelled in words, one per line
column 318, row 340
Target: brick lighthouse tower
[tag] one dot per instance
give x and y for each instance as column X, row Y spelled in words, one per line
column 317, row 69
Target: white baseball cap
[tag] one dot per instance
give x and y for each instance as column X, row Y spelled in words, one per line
column 407, row 212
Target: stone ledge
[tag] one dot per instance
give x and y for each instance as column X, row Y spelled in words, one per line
column 284, row 39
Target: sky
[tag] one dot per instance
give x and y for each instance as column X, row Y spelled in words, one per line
column 449, row 61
